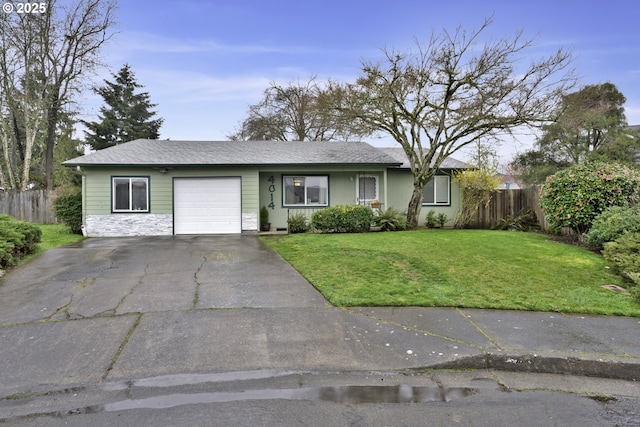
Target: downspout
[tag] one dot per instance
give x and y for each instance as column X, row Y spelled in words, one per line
column 84, row 202
column 384, row 186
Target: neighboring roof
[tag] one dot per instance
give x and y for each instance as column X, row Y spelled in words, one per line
column 508, row 179
column 150, row 152
column 399, row 154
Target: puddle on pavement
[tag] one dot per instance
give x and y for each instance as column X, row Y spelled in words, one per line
column 192, row 379
column 341, row 394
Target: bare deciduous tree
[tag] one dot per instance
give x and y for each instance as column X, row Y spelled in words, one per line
column 299, row 112
column 451, row 92
column 23, row 98
column 45, row 58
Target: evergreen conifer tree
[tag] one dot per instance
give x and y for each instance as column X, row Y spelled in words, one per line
column 126, row 116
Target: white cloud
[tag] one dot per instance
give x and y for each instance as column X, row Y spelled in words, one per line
column 190, row 86
column 135, row 41
column 632, row 111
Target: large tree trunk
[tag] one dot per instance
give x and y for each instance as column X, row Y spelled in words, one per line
column 52, row 122
column 16, row 131
column 415, row 204
column 26, row 168
column 8, row 162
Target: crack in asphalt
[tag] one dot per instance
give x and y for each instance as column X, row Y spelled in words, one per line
column 478, row 328
column 133, row 288
column 87, row 281
column 413, row 328
column 64, row 308
column 196, row 296
column 124, row 342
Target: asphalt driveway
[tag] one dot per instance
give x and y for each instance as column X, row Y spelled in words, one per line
column 102, row 277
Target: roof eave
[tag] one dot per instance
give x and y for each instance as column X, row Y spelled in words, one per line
column 192, row 165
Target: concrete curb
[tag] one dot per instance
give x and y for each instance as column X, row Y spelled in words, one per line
column 611, row 368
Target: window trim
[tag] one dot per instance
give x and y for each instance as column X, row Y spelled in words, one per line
column 305, row 205
column 130, row 178
column 435, row 195
column 367, row 200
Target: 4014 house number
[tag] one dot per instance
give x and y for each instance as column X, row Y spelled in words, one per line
column 272, row 189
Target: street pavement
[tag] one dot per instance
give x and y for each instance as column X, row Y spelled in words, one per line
column 91, row 322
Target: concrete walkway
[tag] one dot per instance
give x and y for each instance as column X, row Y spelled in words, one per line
column 112, row 310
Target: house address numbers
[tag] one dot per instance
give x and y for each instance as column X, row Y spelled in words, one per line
column 272, row 189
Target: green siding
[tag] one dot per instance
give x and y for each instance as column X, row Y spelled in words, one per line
column 395, row 192
column 97, row 183
column 400, row 187
column 342, row 189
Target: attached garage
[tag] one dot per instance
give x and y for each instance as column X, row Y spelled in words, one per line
column 207, row 205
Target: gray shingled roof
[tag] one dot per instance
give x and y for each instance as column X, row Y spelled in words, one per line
column 148, row 152
column 399, row 154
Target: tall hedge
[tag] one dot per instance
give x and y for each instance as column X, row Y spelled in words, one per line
column 575, row 196
column 68, row 208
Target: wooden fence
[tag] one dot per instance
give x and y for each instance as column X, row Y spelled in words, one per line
column 509, row 202
column 31, row 206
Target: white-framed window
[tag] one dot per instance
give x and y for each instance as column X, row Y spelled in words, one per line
column 305, row 190
column 367, row 189
column 130, row 194
column 437, row 191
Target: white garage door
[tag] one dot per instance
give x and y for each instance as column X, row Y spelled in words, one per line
column 207, row 206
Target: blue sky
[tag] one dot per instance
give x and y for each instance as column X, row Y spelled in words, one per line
column 204, row 61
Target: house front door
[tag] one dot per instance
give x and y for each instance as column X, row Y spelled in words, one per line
column 367, row 189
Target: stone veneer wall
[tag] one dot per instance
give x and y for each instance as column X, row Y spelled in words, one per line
column 129, row 225
column 118, row 225
column 249, row 221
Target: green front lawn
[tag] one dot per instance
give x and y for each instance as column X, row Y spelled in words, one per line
column 53, row 235
column 455, row 268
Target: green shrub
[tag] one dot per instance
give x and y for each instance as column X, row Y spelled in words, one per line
column 525, row 220
column 12, row 244
column 264, row 216
column 68, row 209
column 441, row 219
column 343, row 219
column 613, row 223
column 391, row 220
column 635, row 291
column 17, row 239
column 31, row 236
column 624, row 254
column 6, row 254
column 430, row 220
column 297, row 223
column 574, row 197
column 477, row 186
